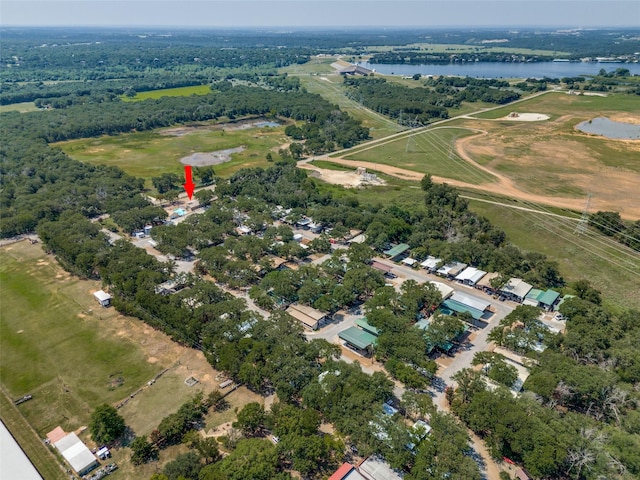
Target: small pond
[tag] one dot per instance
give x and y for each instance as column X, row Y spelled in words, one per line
column 266, row 123
column 610, row 129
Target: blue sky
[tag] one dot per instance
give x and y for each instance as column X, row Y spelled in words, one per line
column 309, row 13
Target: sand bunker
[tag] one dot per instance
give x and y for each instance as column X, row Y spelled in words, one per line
column 201, row 159
column 526, row 117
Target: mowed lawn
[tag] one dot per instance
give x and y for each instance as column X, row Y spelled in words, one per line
column 169, row 92
column 429, row 152
column 150, row 154
column 53, row 345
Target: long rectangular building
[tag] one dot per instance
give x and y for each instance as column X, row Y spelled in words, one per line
column 309, row 317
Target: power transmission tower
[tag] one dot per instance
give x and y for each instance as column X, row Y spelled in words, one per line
column 409, row 147
column 584, row 220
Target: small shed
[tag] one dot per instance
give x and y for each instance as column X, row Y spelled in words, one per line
column 445, row 290
column 381, row 267
column 103, row 298
column 409, row 261
column 484, row 283
column 452, row 269
column 364, row 325
column 543, row 299
column 474, row 302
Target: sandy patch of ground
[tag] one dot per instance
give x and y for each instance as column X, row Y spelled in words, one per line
column 345, row 178
column 525, row 117
column 201, row 159
column 284, row 146
column 625, row 118
column 610, row 197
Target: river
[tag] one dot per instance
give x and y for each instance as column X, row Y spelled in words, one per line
column 504, row 70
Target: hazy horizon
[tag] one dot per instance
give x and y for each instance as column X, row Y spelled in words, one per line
column 316, row 14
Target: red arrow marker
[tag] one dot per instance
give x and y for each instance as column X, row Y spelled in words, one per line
column 188, row 185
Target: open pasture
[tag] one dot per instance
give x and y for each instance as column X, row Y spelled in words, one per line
column 168, row 92
column 552, row 158
column 149, row 154
column 429, row 152
column 58, row 344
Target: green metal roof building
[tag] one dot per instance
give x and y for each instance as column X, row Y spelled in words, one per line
column 358, row 338
column 460, row 308
column 396, row 251
column 545, row 299
column 364, row 325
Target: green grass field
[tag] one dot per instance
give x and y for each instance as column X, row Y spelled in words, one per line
column 590, row 256
column 54, row 346
column 149, row 154
column 557, row 104
column 23, row 107
column 332, row 90
column 169, row 92
column 428, row 152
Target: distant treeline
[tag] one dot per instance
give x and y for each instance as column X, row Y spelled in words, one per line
column 425, row 58
column 420, row 106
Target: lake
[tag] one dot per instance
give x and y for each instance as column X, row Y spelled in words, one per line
column 610, row 129
column 503, row 70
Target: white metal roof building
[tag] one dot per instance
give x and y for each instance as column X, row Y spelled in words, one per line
column 470, row 276
column 451, row 269
column 14, row 463
column 310, row 317
column 516, row 288
column 103, row 298
column 431, row 263
column 445, row 290
column 472, row 302
column 76, row 453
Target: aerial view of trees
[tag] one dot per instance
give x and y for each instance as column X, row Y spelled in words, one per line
column 578, row 415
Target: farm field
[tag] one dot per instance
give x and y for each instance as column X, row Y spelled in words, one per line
column 168, row 92
column 149, row 154
column 29, row 441
column 51, row 325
